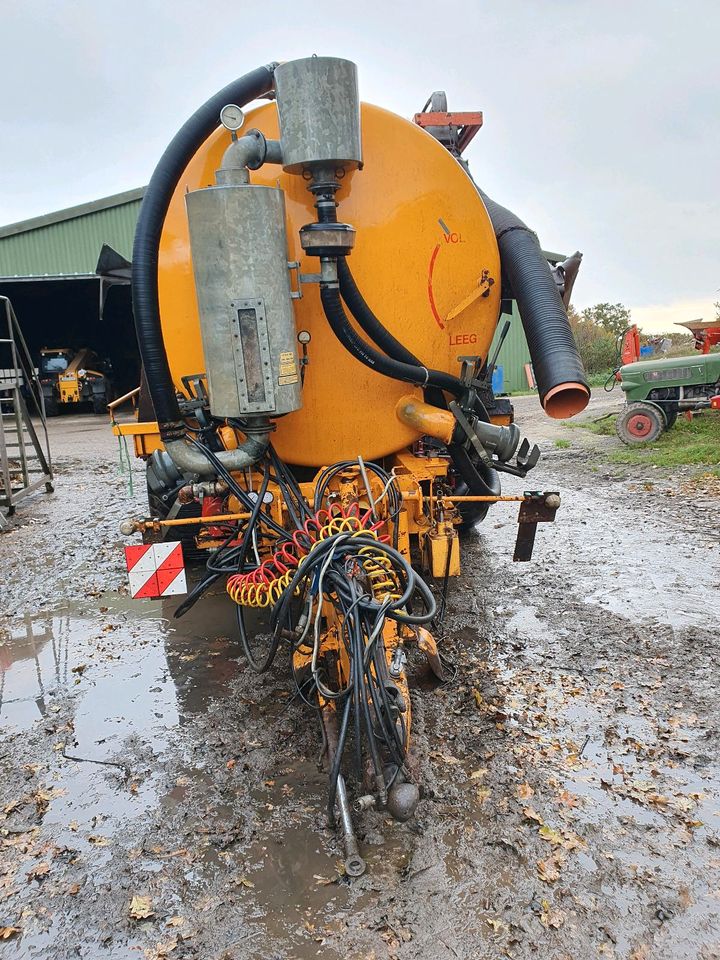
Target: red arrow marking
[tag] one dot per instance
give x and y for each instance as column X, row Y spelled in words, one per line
column 431, row 298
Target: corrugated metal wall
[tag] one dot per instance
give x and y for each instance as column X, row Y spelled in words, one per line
column 70, row 246
column 514, row 354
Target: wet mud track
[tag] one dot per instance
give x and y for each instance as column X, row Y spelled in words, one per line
column 570, row 768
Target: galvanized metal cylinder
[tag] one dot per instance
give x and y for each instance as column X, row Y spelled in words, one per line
column 319, row 109
column 239, row 253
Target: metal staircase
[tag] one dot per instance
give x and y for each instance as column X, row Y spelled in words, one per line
column 25, row 463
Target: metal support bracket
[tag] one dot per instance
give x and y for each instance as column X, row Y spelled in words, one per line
column 301, row 278
column 537, row 508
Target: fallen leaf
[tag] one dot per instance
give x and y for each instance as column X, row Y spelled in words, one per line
column 568, row 799
column 79, row 669
column 499, row 926
column 74, row 889
column 478, row 774
column 524, row 791
column 548, row 870
column 140, row 908
column 98, row 841
column 551, row 835
column 7, row 932
column 551, row 916
column 161, row 950
column 477, row 697
column 175, row 922
column 532, row 814
column 324, row 881
column 39, row 871
column 483, row 793
column 244, row 882
column 445, row 757
column 230, row 764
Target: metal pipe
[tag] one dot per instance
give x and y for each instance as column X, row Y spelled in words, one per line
column 354, row 863
column 189, row 459
column 129, row 527
column 123, row 399
column 425, row 418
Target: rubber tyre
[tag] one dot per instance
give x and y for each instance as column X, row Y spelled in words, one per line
column 99, row 403
column 670, row 418
column 51, row 408
column 161, row 508
column 639, row 423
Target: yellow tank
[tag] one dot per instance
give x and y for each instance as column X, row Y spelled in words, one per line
column 425, row 259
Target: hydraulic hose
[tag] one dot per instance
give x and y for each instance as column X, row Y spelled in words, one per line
column 156, row 201
column 559, row 372
column 395, row 369
column 481, row 480
column 377, row 331
column 358, row 307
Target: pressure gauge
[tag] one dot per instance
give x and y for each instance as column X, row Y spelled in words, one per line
column 232, row 117
column 304, row 336
column 267, row 496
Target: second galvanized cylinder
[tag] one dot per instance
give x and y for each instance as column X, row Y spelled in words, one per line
column 239, row 254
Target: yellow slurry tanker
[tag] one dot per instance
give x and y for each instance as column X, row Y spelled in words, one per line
column 316, row 286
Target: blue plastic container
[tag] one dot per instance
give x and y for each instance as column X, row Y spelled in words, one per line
column 498, row 380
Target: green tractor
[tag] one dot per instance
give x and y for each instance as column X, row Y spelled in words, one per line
column 657, row 390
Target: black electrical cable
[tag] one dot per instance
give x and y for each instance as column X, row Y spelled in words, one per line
column 337, row 760
column 241, row 494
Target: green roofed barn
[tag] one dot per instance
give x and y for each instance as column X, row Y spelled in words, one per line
column 67, row 274
column 49, row 269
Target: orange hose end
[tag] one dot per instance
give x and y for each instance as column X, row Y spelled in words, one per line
column 565, row 400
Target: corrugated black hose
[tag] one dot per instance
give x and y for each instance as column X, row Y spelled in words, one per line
column 156, row 201
column 553, row 351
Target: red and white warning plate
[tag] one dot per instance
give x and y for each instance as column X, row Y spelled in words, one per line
column 156, row 570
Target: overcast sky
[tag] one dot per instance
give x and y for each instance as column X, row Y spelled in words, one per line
column 601, row 118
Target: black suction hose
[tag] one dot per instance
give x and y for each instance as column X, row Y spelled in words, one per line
column 156, row 201
column 554, row 354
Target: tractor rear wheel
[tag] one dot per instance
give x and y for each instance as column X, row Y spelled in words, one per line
column 99, row 403
column 639, row 423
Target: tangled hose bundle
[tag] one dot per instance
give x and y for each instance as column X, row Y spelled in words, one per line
column 264, row 586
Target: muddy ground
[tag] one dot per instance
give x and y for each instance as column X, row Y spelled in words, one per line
column 571, row 782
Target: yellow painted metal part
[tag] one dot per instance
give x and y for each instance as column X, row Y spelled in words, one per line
column 424, row 418
column 424, row 257
column 69, row 388
column 440, row 541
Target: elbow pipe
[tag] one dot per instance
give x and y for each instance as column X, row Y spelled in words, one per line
column 156, row 201
column 428, row 420
column 189, row 459
column 559, row 372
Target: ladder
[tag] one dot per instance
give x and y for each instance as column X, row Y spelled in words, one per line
column 25, row 463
